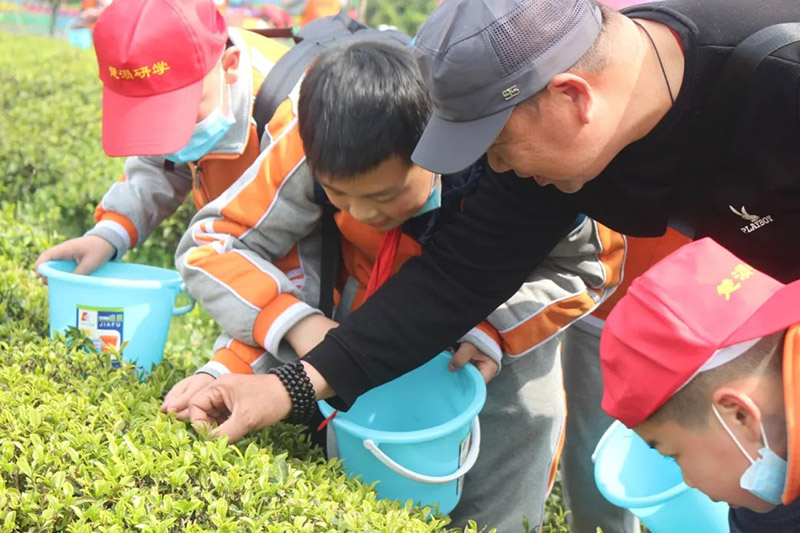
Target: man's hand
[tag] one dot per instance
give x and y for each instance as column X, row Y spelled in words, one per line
column 177, row 399
column 468, row 353
column 90, row 252
column 239, row 404
column 309, row 332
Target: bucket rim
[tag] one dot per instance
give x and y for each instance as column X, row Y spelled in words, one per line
column 633, row 502
column 419, row 435
column 49, row 271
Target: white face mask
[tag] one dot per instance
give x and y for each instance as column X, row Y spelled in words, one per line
column 766, row 476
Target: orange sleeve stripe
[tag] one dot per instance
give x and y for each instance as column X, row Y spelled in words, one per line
column 255, row 199
column 270, row 314
column 239, row 275
column 490, row 330
column 642, row 254
column 126, row 224
column 283, row 116
column 230, row 360
column 227, row 227
column 545, row 324
column 613, row 254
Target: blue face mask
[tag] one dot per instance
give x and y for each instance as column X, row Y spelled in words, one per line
column 766, row 476
column 434, row 200
column 207, row 132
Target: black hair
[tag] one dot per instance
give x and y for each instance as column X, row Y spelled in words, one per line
column 360, row 105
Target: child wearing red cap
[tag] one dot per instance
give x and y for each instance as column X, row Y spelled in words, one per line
column 178, row 89
column 700, row 358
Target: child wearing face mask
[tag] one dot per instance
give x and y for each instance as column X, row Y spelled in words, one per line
column 700, row 358
column 178, row 88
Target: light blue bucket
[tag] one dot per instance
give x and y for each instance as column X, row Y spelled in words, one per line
column 416, row 435
column 632, row 475
column 118, row 303
column 80, row 37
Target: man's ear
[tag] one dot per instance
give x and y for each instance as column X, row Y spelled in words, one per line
column 575, row 91
column 740, row 413
column 230, row 64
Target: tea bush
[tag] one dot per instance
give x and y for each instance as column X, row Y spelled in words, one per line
column 83, row 446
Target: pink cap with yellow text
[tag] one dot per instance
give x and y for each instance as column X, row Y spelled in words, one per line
column 153, row 56
column 695, row 310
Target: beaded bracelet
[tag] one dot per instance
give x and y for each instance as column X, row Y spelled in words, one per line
column 301, row 391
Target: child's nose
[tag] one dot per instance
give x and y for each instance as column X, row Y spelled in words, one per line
column 362, row 211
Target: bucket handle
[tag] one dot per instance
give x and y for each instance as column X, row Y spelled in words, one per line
column 469, row 462
column 184, row 308
column 603, row 439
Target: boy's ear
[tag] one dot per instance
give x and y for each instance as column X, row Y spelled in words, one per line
column 740, row 412
column 230, row 64
column 577, row 92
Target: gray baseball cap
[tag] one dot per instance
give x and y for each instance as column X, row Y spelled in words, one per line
column 480, row 58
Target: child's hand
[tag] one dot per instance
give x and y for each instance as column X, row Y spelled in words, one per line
column 90, row 252
column 468, row 353
column 177, row 399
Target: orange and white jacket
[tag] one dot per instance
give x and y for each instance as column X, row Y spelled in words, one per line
column 252, row 259
column 151, row 191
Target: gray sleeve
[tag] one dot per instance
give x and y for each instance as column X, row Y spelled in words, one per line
column 147, row 195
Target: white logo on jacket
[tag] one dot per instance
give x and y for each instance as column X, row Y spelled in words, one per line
column 756, row 221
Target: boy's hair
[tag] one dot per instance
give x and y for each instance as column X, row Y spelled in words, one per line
column 691, row 405
column 360, row 105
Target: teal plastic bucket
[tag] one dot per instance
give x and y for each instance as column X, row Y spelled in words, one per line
column 632, row 475
column 80, row 37
column 118, row 303
column 416, row 435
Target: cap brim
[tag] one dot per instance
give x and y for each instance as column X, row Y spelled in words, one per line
column 447, row 147
column 149, row 125
column 779, row 312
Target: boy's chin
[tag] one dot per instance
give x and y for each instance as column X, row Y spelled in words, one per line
column 760, row 507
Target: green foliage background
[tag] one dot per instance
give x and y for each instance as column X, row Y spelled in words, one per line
column 407, row 15
column 82, row 446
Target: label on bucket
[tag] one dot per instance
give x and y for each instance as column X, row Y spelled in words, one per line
column 463, row 450
column 103, row 325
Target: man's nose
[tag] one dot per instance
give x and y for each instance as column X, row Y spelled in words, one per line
column 496, row 162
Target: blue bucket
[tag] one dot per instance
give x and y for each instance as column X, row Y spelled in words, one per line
column 80, row 37
column 118, row 303
column 632, row 475
column 416, row 435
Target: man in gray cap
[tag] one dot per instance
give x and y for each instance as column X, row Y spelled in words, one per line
column 620, row 115
column 615, row 111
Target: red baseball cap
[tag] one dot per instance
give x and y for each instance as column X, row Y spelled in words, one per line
column 697, row 309
column 153, row 56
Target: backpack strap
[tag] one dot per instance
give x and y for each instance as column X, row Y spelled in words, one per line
column 315, row 37
column 330, row 256
column 721, row 121
column 729, row 94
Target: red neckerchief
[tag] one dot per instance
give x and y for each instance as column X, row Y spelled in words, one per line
column 387, row 251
